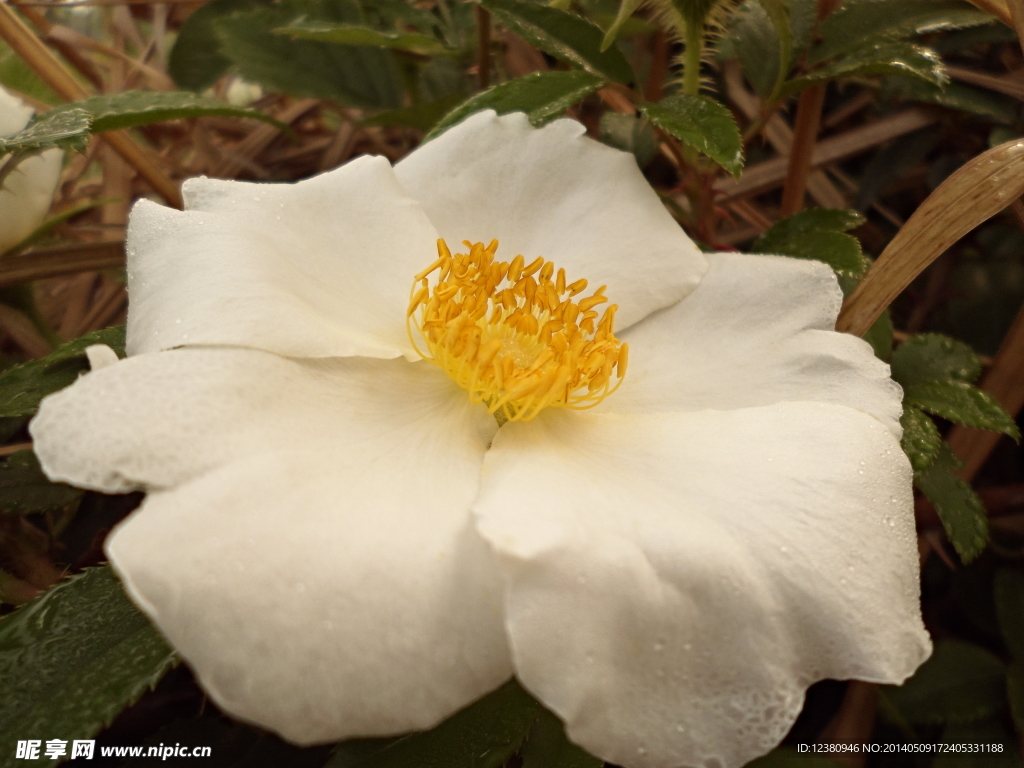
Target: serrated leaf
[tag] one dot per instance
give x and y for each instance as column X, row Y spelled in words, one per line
column 1008, row 591
column 72, row 659
column 957, row 505
column 958, row 96
column 23, row 386
column 755, row 40
column 902, row 59
column 24, row 487
column 564, row 35
column 483, row 735
column 64, row 127
column 626, row 11
column 963, row 403
column 541, row 95
column 960, row 683
column 702, row 123
column 353, row 75
column 548, row 747
column 195, row 61
column 858, row 21
column 358, row 34
column 819, row 234
column 929, row 356
column 128, row 109
column 921, row 440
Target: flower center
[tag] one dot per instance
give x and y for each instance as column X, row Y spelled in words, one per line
column 513, row 335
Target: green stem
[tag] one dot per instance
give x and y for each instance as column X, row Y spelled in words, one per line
column 691, row 62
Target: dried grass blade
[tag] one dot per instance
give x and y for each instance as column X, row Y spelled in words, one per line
column 973, row 194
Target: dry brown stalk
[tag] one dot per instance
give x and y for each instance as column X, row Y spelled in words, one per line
column 45, row 64
column 854, row 721
column 780, row 136
column 771, row 173
column 1005, row 382
column 23, row 332
column 997, row 8
column 805, row 133
column 1010, row 85
column 61, row 260
column 973, row 194
column 257, row 141
column 483, row 47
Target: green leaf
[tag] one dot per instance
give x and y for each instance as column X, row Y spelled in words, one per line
column 960, row 683
column 755, row 40
column 630, row 134
column 626, row 11
column 1008, row 590
column 352, row 75
column 819, row 234
column 905, row 59
column 23, row 386
column 72, row 659
column 357, row 34
column 422, row 116
column 702, row 123
column 64, row 127
column 929, row 356
column 541, row 95
column 858, row 21
column 956, row 503
column 113, row 111
column 25, row 488
column 894, row 160
column 564, row 35
column 483, row 735
column 963, row 403
column 880, row 334
column 16, row 75
column 958, row 96
column 921, row 440
column 548, row 747
column 195, row 61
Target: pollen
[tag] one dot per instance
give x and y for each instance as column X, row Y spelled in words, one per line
column 517, row 336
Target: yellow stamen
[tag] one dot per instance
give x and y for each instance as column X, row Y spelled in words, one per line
column 508, row 334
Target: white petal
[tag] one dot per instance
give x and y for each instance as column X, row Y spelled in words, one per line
column 14, row 114
column 158, row 420
column 319, row 268
column 676, row 581
column 100, row 356
column 758, row 330
column 28, row 191
column 327, row 594
column 552, row 192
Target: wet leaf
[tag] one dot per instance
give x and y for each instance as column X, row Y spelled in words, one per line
column 541, row 95
column 904, row 59
column 25, row 488
column 702, row 123
column 962, row 403
column 957, row 505
column 564, row 35
column 928, row 356
column 72, row 659
column 921, row 440
column 66, row 128
column 357, row 34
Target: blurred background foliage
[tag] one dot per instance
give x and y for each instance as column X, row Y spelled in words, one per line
column 809, row 128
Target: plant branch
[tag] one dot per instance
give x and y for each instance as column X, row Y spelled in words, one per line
column 483, row 47
column 45, row 64
column 805, row 132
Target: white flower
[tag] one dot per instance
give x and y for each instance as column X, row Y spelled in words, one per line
column 341, row 544
column 27, row 192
